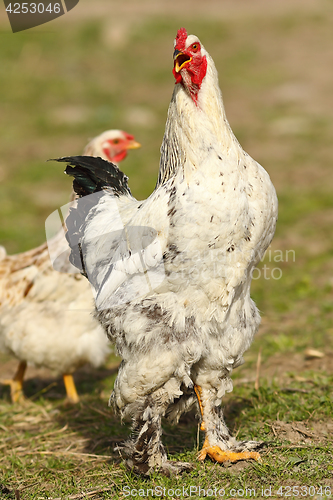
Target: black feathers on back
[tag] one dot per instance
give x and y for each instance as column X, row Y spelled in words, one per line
column 92, row 174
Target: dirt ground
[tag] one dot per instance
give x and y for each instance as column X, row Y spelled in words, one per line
column 281, row 368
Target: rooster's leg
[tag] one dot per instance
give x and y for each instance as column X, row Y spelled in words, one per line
column 145, row 450
column 16, row 383
column 218, row 444
column 72, row 395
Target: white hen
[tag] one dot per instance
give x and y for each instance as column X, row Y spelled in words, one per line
column 45, row 315
column 173, row 287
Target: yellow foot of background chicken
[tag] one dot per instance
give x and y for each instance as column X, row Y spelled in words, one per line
column 16, row 383
column 16, row 389
column 218, row 455
column 72, row 395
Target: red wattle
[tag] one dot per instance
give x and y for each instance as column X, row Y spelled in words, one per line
column 200, row 75
column 117, row 158
column 178, row 76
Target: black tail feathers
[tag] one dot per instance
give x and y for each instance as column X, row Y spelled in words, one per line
column 92, row 174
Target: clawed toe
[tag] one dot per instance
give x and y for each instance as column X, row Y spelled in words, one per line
column 167, row 468
column 174, row 468
column 249, row 446
column 220, row 456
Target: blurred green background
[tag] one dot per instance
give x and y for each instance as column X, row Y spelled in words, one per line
column 107, row 64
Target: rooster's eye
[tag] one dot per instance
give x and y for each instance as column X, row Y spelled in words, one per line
column 115, row 141
column 195, row 47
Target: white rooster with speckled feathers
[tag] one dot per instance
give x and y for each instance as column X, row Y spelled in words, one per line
column 212, row 214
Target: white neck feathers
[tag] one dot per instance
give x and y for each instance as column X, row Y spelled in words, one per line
column 193, row 128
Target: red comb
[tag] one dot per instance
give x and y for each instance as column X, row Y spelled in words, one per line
column 181, row 38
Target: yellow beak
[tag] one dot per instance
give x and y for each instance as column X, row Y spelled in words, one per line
column 133, row 145
column 180, row 60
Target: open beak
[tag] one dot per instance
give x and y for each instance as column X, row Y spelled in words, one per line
column 133, row 145
column 180, row 59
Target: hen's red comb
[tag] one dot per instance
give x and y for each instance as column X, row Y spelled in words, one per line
column 181, row 38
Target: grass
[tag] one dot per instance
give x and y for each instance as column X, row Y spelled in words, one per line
column 56, row 451
column 59, row 88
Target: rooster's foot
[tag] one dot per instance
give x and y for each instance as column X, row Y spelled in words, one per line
column 175, row 468
column 167, row 468
column 218, row 455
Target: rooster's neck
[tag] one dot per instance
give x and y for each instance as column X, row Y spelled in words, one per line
column 209, row 115
column 195, row 127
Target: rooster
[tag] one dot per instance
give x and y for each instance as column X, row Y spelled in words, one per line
column 172, row 274
column 45, row 315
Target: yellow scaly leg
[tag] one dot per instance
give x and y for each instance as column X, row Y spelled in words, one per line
column 72, row 395
column 16, row 383
column 215, row 452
